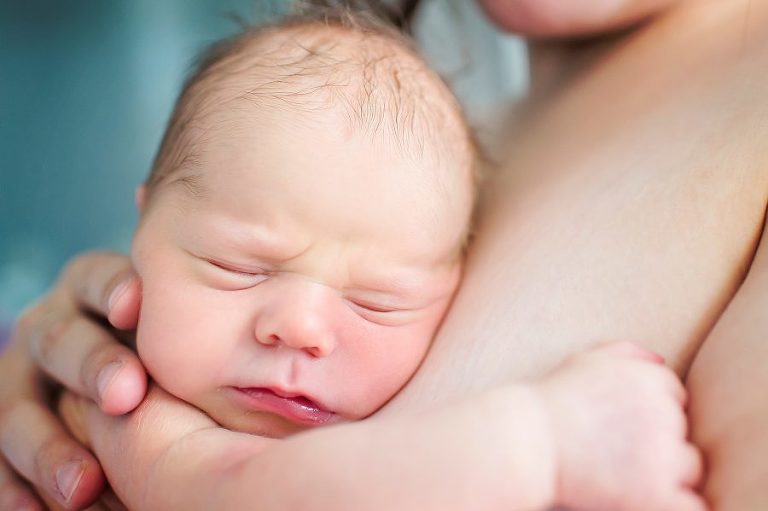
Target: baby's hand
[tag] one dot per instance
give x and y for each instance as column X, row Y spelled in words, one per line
column 620, row 433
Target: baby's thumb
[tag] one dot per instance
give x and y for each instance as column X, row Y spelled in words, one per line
column 629, row 350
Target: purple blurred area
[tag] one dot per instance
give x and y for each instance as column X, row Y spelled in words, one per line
column 5, row 333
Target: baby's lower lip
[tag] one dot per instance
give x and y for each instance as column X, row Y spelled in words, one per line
column 297, row 409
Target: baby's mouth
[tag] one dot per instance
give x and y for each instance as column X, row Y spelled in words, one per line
column 296, row 408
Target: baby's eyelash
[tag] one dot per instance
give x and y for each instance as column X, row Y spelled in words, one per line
column 373, row 307
column 230, row 269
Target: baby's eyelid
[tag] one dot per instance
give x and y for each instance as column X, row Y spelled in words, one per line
column 231, row 269
column 373, row 307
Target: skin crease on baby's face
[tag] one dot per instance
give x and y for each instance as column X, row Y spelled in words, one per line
column 298, row 277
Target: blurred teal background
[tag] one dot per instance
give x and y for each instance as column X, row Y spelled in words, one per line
column 86, row 87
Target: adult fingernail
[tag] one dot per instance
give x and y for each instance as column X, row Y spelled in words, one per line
column 68, row 477
column 117, row 293
column 106, row 375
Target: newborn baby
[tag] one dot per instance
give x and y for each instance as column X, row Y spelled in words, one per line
column 301, row 237
column 302, row 230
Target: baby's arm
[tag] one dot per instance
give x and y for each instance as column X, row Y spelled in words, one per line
column 605, row 431
column 474, row 455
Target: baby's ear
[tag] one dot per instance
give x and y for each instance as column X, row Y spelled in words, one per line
column 139, row 197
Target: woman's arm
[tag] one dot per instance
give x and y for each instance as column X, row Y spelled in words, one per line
column 729, row 411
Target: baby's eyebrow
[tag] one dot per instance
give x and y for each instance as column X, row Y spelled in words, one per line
column 249, row 239
column 192, row 184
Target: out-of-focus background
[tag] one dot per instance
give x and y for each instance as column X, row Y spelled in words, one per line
column 86, row 87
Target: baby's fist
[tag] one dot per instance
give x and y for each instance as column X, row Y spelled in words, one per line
column 620, row 430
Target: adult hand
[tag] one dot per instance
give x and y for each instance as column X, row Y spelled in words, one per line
column 134, row 445
column 63, row 338
column 561, row 18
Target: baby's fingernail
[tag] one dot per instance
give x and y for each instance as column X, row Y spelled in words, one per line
column 117, row 293
column 652, row 356
column 68, row 477
column 106, row 375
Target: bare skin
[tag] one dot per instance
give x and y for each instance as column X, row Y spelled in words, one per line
column 631, row 210
column 557, row 441
column 554, row 18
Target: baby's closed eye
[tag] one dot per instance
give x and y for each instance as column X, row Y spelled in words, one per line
column 240, row 277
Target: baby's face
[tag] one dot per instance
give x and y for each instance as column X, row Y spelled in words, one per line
column 298, row 277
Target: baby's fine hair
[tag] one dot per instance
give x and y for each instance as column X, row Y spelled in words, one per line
column 373, row 72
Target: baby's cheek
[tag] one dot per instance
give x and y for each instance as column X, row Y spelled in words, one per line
column 385, row 361
column 170, row 348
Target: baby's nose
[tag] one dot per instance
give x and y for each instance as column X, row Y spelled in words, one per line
column 299, row 317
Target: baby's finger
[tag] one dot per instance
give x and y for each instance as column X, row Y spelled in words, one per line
column 668, row 383
column 15, row 495
column 630, row 350
column 33, row 442
column 84, row 357
column 687, row 501
column 692, row 463
column 105, row 283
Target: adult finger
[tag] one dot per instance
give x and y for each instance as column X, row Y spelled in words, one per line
column 15, row 495
column 35, row 445
column 88, row 360
column 110, row 501
column 104, row 282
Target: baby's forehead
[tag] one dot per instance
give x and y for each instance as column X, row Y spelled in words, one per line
column 372, row 82
column 328, row 57
column 377, row 83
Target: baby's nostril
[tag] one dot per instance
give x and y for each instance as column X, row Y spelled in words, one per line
column 273, row 339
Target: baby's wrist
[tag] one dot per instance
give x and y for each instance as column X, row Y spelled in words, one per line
column 550, row 433
column 532, row 446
